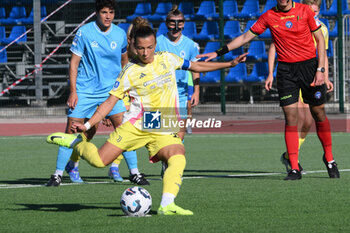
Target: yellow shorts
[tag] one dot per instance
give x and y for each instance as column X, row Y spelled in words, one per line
column 128, row 137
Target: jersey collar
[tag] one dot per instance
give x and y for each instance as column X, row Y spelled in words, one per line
column 293, row 6
column 103, row 33
column 175, row 43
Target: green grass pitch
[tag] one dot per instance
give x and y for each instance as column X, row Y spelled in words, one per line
column 232, row 183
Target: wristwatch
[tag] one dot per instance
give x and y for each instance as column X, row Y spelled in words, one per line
column 321, row 69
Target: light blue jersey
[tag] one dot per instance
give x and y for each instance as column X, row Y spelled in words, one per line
column 185, row 48
column 98, row 69
column 100, row 54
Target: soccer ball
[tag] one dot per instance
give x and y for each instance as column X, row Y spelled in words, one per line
column 136, row 201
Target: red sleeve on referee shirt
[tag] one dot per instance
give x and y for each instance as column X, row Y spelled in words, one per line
column 259, row 26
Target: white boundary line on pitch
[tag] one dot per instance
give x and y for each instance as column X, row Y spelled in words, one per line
column 12, row 186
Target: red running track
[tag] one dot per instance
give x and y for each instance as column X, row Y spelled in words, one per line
column 228, row 127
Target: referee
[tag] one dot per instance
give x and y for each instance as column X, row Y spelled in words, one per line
column 292, row 26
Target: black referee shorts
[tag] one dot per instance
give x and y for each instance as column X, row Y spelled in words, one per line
column 294, row 76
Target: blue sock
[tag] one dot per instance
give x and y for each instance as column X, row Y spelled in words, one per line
column 131, row 159
column 63, row 157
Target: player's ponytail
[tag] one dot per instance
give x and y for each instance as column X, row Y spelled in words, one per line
column 136, row 23
column 143, row 32
column 174, row 12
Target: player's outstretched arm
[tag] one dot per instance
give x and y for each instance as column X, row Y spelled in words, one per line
column 235, row 43
column 211, row 66
column 100, row 114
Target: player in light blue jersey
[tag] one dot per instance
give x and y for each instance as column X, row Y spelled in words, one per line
column 99, row 50
column 175, row 42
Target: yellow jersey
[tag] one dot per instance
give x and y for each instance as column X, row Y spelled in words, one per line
column 154, row 91
column 325, row 33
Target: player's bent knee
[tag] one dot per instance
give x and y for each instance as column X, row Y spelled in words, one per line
column 166, row 152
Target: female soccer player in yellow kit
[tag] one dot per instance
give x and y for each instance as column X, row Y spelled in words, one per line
column 151, row 81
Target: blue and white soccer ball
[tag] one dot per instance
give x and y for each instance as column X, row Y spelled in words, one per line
column 136, row 201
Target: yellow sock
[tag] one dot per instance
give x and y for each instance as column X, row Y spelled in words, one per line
column 173, row 174
column 75, row 157
column 89, row 152
column 301, row 141
column 118, row 160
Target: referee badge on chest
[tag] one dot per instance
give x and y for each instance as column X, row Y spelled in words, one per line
column 318, row 95
column 289, row 24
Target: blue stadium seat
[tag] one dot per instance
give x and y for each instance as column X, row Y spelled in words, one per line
column 2, row 13
column 206, row 11
column 142, row 9
column 124, row 26
column 2, row 33
column 232, row 29
column 162, row 29
column 237, row 74
column 259, row 73
column 17, row 12
column 333, row 9
column 346, row 11
column 190, row 29
column 257, row 50
column 268, row 5
column 230, row 9
column 161, row 11
column 210, row 31
column 334, row 32
column 250, row 9
column 211, row 77
column 15, row 32
column 345, row 7
column 187, row 9
column 3, row 55
column 211, row 46
column 30, row 19
column 233, row 54
column 330, row 49
column 323, row 8
column 249, row 25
